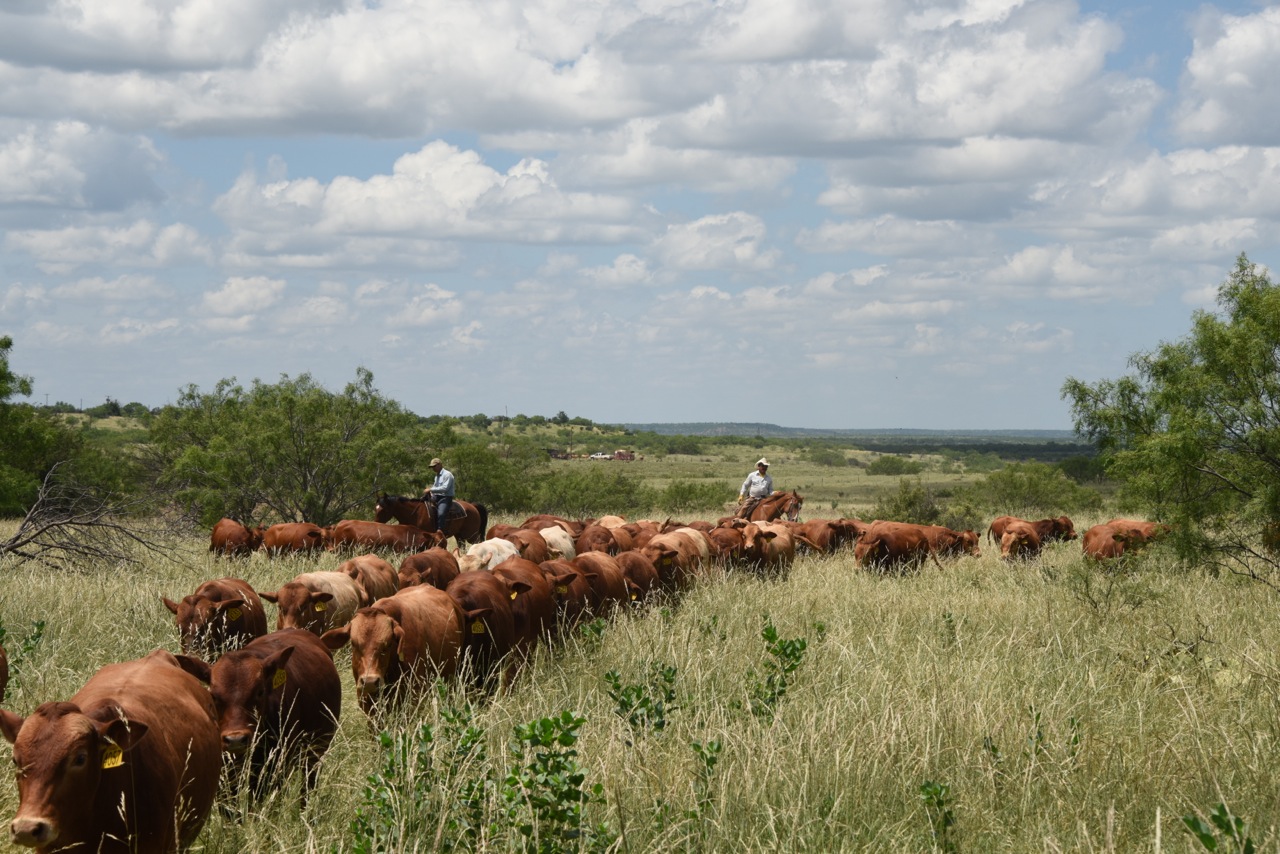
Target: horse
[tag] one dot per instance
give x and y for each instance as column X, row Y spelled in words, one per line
column 468, row 528
column 775, row 505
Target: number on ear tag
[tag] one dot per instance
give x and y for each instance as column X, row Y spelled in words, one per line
column 477, row 628
column 233, row 613
column 562, row 588
column 280, row 678
column 320, row 606
column 112, row 756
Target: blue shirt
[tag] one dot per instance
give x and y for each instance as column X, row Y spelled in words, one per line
column 443, row 484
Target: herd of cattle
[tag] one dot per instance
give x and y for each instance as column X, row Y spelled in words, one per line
column 133, row 761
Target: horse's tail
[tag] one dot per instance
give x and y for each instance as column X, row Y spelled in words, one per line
column 484, row 522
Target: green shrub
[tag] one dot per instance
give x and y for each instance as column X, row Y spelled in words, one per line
column 1032, row 489
column 587, row 491
column 913, row 502
column 682, row 496
column 825, row 457
column 894, row 465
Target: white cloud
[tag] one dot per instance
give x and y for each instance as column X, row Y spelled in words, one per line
column 730, row 242
column 242, row 296
column 429, row 305
column 1228, row 93
column 141, row 243
column 130, row 330
column 125, row 287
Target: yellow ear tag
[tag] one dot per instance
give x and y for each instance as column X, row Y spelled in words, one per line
column 233, row 613
column 513, row 594
column 633, row 597
column 562, row 588
column 112, row 756
column 666, row 561
column 320, row 606
column 280, row 678
column 477, row 628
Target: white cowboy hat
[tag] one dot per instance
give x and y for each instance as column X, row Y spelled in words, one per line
column 762, row 462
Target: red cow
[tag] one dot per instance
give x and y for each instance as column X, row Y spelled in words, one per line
column 1056, row 529
column 543, row 520
column 293, row 537
column 130, row 763
column 640, row 573
column 231, row 539
column 533, row 601
column 435, row 568
column 1105, row 542
column 891, row 544
column 317, row 601
column 770, row 547
column 572, row 591
column 677, row 555
column 1020, row 540
column 945, row 541
column 400, row 643
column 225, row 613
column 490, row 628
column 726, row 544
column 530, row 544
column 375, row 535
column 608, row 583
column 1140, row 531
column 278, row 702
column 376, row 577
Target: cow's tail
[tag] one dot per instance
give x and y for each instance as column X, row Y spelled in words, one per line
column 484, row 523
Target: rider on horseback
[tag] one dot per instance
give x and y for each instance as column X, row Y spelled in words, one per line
column 757, row 486
column 441, row 493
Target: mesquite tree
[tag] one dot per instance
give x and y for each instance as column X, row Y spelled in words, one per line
column 1194, row 433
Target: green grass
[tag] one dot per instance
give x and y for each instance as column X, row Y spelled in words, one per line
column 1064, row 707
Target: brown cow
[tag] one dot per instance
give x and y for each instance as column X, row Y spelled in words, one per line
column 678, row 555
column 1057, row 529
column 533, row 601
column 892, row 544
column 400, row 643
column 355, row 533
column 640, row 573
column 770, row 547
column 222, row 614
column 572, row 591
column 530, row 544
column 130, row 763
column 232, row 539
column 946, row 541
column 293, row 537
column 726, row 544
column 489, row 631
column 317, row 601
column 544, row 520
column 376, row 577
column 608, row 582
column 1140, row 531
column 1105, row 542
column 278, row 702
column 435, row 568
column 1020, row 539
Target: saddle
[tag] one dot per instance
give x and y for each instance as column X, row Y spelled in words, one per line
column 456, row 511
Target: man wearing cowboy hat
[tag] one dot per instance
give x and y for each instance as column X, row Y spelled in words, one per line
column 441, row 492
column 758, row 485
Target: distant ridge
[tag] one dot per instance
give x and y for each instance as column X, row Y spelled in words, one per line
column 774, row 431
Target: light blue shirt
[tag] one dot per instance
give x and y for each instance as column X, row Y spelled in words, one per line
column 443, row 484
column 757, row 485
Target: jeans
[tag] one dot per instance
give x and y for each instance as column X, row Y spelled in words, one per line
column 444, row 505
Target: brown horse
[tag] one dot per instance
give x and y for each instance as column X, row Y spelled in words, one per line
column 777, row 504
column 469, row 528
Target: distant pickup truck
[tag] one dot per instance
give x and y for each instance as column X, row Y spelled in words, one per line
column 616, row 455
column 601, row 456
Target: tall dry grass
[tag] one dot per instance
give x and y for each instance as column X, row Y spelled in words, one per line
column 1065, row 707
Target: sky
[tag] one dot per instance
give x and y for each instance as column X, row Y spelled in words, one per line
column 815, row 213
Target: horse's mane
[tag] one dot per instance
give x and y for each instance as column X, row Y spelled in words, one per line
column 399, row 498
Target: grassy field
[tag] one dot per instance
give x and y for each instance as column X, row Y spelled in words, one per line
column 1049, row 706
column 829, row 491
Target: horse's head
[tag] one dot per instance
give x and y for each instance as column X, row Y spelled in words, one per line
column 792, row 508
column 382, row 508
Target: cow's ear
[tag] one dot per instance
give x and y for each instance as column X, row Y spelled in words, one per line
column 322, row 597
column 170, row 604
column 336, row 639
column 269, row 595
column 769, row 535
column 123, row 734
column 10, row 724
column 228, row 604
column 198, row 668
